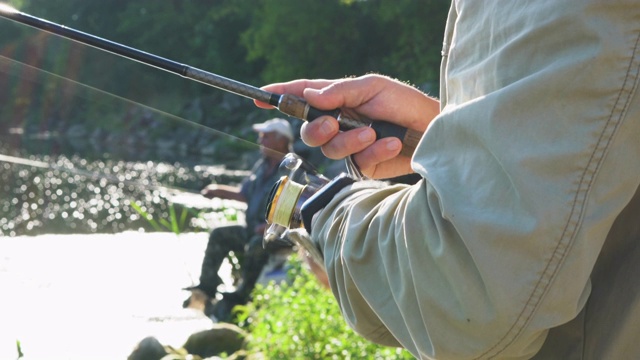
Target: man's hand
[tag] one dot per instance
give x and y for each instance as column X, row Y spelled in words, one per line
column 373, row 96
column 223, row 192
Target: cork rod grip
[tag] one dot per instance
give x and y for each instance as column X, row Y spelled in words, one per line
column 410, row 142
column 348, row 119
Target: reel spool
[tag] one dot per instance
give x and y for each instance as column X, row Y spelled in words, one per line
column 288, row 195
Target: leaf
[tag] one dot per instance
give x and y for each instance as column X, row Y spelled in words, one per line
column 145, row 215
column 19, row 347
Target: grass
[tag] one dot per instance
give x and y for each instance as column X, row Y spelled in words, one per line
column 176, row 224
column 302, row 320
column 298, row 319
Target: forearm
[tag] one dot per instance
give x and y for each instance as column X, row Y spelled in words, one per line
column 497, row 244
column 525, row 170
column 223, row 192
column 398, row 266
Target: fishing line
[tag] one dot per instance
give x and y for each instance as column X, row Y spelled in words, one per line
column 172, row 190
column 129, row 101
column 288, row 104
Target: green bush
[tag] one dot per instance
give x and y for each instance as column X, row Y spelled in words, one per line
column 302, row 320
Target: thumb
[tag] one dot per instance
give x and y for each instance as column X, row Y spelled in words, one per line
column 325, row 98
column 347, row 93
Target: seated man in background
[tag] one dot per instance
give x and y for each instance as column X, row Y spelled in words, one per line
column 275, row 138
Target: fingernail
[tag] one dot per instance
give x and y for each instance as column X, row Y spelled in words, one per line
column 366, row 136
column 393, row 144
column 326, row 127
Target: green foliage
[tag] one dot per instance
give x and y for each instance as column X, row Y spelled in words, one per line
column 19, row 348
column 302, row 321
column 253, row 41
column 337, row 38
column 176, row 223
column 413, row 31
column 299, row 38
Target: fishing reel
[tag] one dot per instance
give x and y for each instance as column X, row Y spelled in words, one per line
column 293, row 201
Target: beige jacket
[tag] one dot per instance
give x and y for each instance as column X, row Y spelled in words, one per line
column 523, row 238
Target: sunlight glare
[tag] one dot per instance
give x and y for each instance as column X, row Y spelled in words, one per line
column 7, row 9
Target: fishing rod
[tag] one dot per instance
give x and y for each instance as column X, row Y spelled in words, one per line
column 286, row 103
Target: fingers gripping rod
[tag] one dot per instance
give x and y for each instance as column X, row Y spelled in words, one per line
column 286, row 103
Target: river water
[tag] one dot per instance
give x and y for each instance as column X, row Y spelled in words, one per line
column 82, row 275
column 95, row 296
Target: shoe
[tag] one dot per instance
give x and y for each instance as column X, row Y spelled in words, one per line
column 197, row 300
column 193, row 287
column 210, row 291
column 186, row 303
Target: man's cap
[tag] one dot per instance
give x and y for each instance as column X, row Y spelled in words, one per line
column 281, row 126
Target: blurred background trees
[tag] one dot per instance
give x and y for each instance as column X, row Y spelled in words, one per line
column 253, row 41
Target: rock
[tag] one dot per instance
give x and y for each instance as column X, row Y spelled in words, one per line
column 221, row 338
column 148, row 348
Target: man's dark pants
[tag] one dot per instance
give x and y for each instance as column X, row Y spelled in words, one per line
column 222, row 241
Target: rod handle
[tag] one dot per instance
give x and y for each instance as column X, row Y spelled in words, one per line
column 298, row 107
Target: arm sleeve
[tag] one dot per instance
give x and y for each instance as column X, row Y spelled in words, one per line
column 524, row 172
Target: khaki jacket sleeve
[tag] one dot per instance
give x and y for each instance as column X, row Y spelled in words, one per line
column 533, row 157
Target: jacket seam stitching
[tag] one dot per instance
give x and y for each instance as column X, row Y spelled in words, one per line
column 577, row 209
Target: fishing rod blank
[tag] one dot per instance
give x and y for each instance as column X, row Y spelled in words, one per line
column 288, row 104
